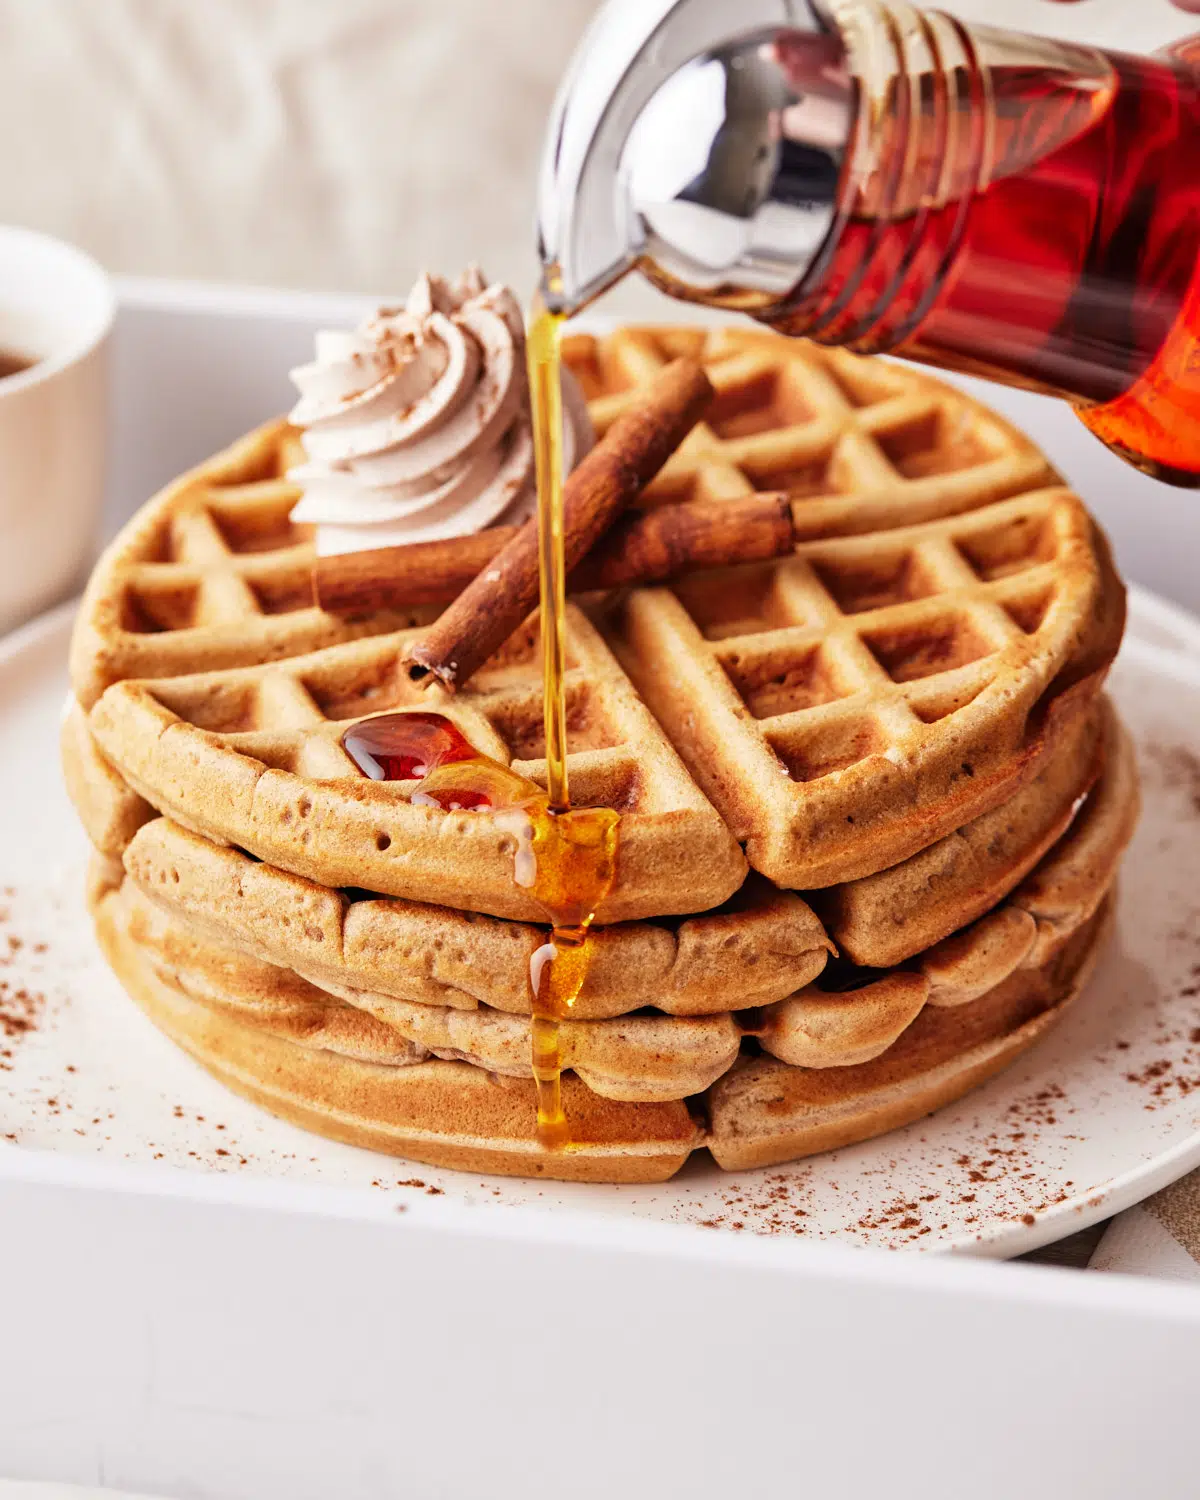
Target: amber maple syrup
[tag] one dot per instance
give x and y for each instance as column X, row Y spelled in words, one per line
column 1028, row 212
column 567, row 860
column 566, row 857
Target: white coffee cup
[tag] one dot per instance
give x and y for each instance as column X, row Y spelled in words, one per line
column 56, row 310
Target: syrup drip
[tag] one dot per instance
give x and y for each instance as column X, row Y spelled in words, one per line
column 567, row 860
column 577, row 863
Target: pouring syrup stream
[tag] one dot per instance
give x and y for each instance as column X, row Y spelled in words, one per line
column 569, row 887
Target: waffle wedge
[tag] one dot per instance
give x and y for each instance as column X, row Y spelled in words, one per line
column 848, row 706
column 210, row 573
column 885, row 918
column 764, row 1112
column 910, row 666
column 863, row 444
column 253, row 757
column 851, row 1014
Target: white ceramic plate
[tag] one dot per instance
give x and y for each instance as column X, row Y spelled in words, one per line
column 1104, row 1112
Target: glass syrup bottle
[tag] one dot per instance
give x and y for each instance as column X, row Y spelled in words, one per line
column 892, row 180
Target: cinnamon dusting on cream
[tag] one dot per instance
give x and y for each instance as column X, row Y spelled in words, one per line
column 416, row 423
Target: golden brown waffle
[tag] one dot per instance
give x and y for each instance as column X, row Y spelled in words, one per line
column 844, row 709
column 109, row 809
column 212, row 573
column 758, row 948
column 253, row 757
column 848, row 706
column 852, row 1014
column 900, row 675
column 262, row 995
column 904, row 706
column 829, row 792
column 886, row 918
column 446, row 1113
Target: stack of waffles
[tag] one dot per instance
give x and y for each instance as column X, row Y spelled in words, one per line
column 872, row 797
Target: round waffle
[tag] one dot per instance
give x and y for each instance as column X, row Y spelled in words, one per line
column 213, row 573
column 935, row 636
column 902, row 718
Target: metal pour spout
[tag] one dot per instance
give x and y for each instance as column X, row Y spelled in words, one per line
column 701, row 140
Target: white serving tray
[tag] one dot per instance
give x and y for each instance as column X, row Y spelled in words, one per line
column 222, row 1336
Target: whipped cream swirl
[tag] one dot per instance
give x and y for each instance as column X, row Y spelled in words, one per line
column 416, row 423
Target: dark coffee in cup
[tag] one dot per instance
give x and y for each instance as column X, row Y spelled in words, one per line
column 12, row 362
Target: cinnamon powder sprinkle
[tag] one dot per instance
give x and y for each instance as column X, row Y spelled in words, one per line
column 22, row 1005
column 1178, row 767
column 21, row 1011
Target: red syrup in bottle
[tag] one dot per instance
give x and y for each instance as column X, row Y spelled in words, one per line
column 1025, row 211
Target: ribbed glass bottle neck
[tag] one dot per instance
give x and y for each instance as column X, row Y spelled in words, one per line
column 940, row 117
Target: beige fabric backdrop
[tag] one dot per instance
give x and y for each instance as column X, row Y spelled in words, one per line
column 335, row 144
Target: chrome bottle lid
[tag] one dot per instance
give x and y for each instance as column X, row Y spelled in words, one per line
column 701, row 139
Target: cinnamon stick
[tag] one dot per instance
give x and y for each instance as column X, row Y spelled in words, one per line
column 646, row 547
column 673, row 539
column 625, row 459
column 399, row 577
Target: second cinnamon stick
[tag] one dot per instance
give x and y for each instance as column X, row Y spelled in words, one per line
column 621, row 464
column 641, row 547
